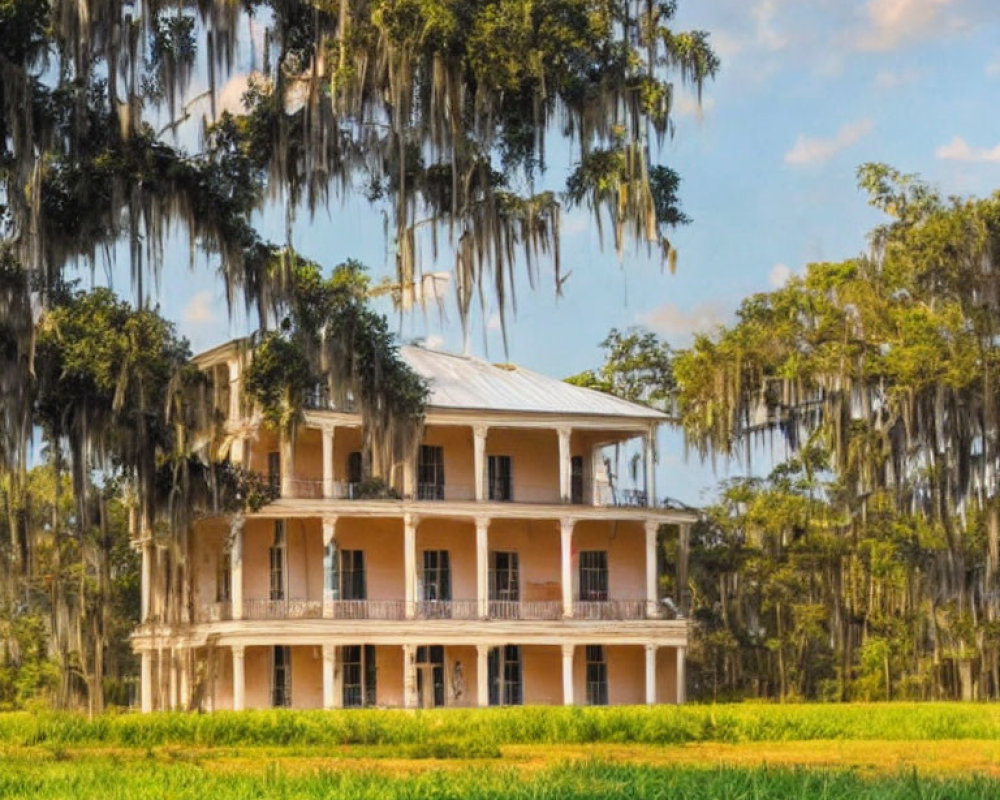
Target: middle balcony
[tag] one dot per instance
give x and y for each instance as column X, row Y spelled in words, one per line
column 361, row 568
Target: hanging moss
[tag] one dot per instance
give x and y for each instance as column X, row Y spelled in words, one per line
column 329, row 336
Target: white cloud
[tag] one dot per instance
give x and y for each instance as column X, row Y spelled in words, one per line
column 493, row 323
column 893, row 23
column 200, row 309
column 888, row 79
column 768, row 36
column 993, row 69
column 671, row 320
column 960, row 150
column 815, row 151
column 687, row 105
column 726, row 44
column 779, row 275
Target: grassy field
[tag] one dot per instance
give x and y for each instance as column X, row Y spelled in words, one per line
column 745, row 751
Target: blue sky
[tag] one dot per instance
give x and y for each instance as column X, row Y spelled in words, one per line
column 808, row 90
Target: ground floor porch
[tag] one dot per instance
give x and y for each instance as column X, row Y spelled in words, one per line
column 215, row 677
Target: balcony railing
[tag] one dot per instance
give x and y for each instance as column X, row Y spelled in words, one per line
column 318, row 399
column 447, row 609
column 604, row 496
column 215, row 612
column 610, row 609
column 365, row 609
column 525, row 609
column 282, row 609
column 255, row 609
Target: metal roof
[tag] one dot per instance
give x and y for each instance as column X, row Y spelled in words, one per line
column 464, row 382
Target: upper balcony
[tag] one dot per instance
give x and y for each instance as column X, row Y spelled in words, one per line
column 422, row 610
column 468, row 464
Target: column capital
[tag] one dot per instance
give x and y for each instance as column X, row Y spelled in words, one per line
column 652, row 526
column 564, row 431
column 411, row 520
column 480, row 430
column 568, row 650
column 651, row 647
column 482, row 521
column 567, row 523
column 239, row 650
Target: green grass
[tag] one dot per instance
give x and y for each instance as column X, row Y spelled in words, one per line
column 489, row 728
column 106, row 779
column 515, row 753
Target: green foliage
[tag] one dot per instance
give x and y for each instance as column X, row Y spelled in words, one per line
column 638, row 366
column 242, row 489
column 28, row 675
column 186, row 777
column 329, row 335
column 278, row 378
column 462, row 731
column 878, row 375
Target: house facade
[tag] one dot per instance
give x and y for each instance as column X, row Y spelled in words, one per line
column 511, row 567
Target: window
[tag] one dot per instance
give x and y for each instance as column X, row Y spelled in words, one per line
column 576, row 480
column 224, row 577
column 359, row 675
column 430, row 473
column 500, row 478
column 437, row 575
column 504, row 576
column 597, row 676
column 354, row 473
column 593, row 575
column 430, row 676
column 278, row 561
column 281, row 677
column 353, row 585
column 274, row 471
column 505, row 675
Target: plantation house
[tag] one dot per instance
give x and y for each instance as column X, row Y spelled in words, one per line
column 510, row 567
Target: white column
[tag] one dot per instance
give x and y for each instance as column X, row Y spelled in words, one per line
column 566, row 549
column 236, row 566
column 650, row 674
column 147, row 576
column 235, row 390
column 286, row 454
column 482, row 675
column 409, row 478
column 239, row 678
column 649, row 451
column 565, row 468
column 652, row 590
column 238, row 451
column 683, row 550
column 567, row 674
column 328, row 463
column 409, row 676
column 681, row 676
column 482, row 566
column 410, row 563
column 184, row 698
column 146, row 681
column 329, row 669
column 329, row 538
column 479, row 433
column 162, row 702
